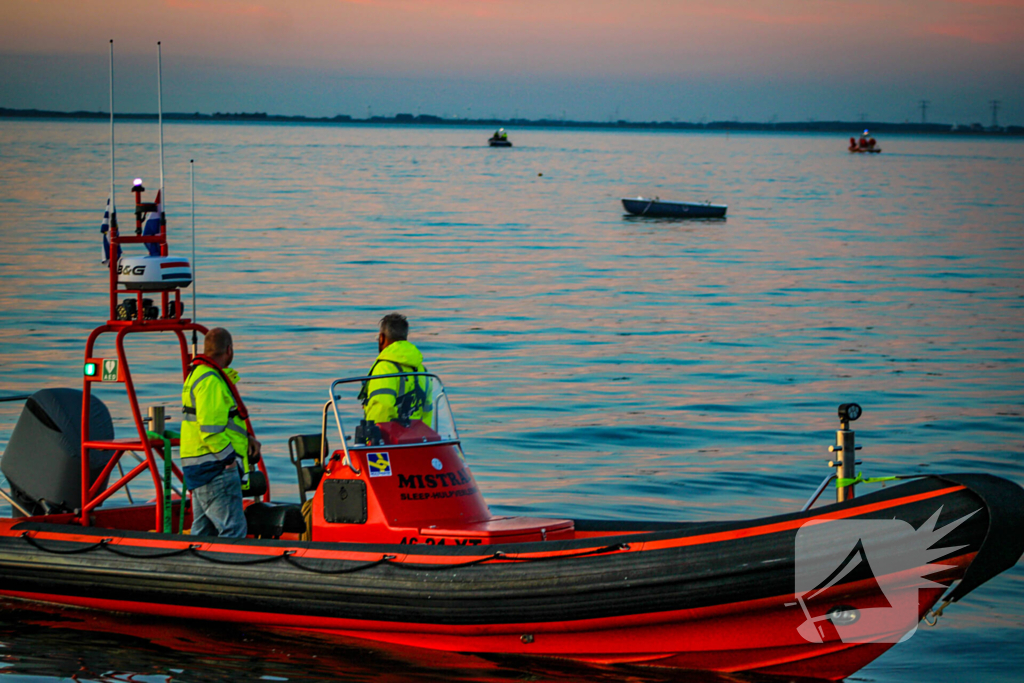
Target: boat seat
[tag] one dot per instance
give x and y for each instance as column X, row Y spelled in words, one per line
column 306, row 447
column 270, row 520
column 254, row 484
column 309, row 478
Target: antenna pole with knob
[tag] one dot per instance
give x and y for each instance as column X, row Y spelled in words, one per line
column 192, row 183
column 160, row 118
column 846, row 462
column 112, row 256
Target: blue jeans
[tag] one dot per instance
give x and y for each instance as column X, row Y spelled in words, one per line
column 217, row 506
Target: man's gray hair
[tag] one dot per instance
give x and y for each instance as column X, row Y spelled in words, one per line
column 394, row 327
column 216, row 342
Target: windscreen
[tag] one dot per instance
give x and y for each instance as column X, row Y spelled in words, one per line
column 393, row 409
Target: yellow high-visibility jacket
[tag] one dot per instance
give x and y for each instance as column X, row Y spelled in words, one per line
column 213, row 434
column 385, row 396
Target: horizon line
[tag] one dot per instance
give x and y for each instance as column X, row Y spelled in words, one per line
column 810, row 125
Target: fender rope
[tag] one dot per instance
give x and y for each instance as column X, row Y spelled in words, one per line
column 74, row 551
column 104, row 543
column 434, row 567
column 295, row 563
column 155, row 556
column 194, row 549
column 287, row 556
column 585, row 553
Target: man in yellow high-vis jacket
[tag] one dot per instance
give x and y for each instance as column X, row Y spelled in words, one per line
column 395, row 397
column 214, row 438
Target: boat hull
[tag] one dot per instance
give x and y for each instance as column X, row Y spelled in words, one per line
column 659, row 209
column 706, row 639
column 715, row 596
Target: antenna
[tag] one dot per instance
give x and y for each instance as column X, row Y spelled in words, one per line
column 192, row 183
column 112, row 234
column 160, row 118
column 111, row 126
column 924, row 110
column 160, row 113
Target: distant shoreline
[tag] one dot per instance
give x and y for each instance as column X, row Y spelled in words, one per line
column 845, row 127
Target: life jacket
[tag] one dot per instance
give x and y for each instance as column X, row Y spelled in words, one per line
column 398, row 398
column 214, row 429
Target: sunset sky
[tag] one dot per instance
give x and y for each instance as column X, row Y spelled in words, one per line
column 688, row 60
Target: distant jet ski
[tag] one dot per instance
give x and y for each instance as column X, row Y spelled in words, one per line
column 499, row 139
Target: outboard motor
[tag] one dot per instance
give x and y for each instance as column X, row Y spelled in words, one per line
column 42, row 461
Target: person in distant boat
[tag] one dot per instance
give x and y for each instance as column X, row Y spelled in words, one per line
column 401, row 398
column 214, row 438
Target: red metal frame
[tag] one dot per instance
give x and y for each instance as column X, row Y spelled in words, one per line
column 153, row 448
column 92, row 495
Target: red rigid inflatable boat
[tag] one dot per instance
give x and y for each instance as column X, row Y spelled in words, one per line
column 396, row 543
column 402, row 549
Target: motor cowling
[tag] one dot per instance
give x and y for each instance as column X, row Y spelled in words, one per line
column 42, row 461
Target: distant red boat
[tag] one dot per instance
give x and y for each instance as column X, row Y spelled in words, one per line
column 864, row 145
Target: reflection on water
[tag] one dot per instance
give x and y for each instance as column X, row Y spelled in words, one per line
column 43, row 643
column 598, row 365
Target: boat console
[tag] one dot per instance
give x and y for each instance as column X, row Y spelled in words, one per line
column 406, row 480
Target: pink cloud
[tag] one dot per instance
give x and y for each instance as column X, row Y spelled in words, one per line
column 1016, row 4
column 751, row 15
column 225, row 8
column 984, row 35
column 529, row 13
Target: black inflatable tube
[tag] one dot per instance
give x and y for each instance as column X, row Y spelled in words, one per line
column 616, row 584
column 1004, row 541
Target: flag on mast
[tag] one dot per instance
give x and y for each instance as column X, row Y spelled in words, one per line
column 105, row 228
column 151, row 226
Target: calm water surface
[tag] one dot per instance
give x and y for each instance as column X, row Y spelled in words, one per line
column 599, row 366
